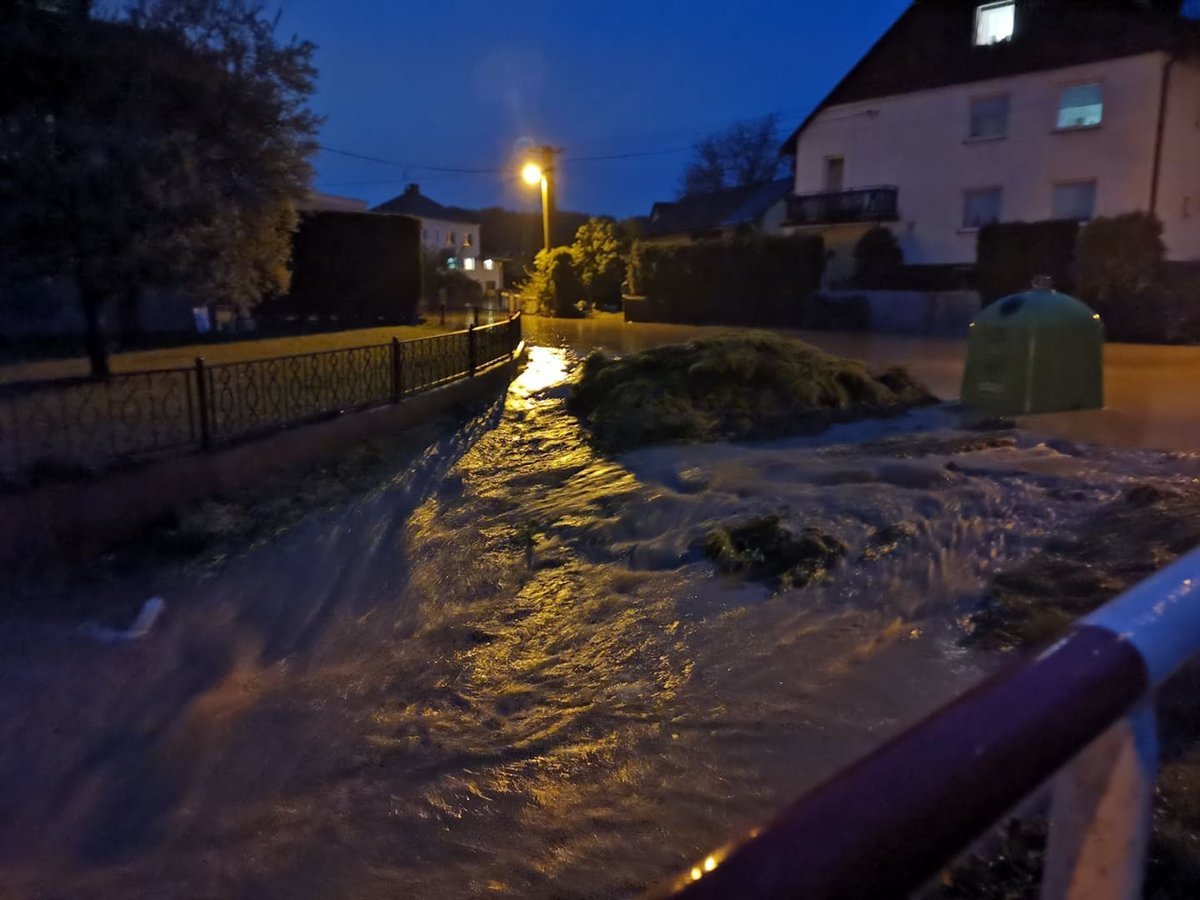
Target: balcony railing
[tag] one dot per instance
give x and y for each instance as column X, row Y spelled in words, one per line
column 872, row 204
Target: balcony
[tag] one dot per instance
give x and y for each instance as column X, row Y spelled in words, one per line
column 872, row 204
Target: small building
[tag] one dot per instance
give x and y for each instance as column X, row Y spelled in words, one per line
column 757, row 208
column 452, row 230
column 974, row 111
column 319, row 202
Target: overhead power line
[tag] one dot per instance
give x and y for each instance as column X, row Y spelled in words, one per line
column 449, row 171
column 456, row 170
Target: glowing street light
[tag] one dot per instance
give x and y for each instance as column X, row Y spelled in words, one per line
column 532, row 173
column 543, row 173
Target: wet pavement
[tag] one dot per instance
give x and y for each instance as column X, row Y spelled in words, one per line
column 510, row 672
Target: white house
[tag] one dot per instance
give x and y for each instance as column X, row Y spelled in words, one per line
column 965, row 113
column 451, row 229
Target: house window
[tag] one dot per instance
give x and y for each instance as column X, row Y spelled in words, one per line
column 490, row 285
column 982, row 206
column 467, row 239
column 994, row 22
column 835, row 173
column 452, row 239
column 489, row 264
column 1081, row 106
column 469, row 263
column 1075, row 200
column 989, row 117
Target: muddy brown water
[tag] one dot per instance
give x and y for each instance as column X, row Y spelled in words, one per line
column 509, row 672
column 1150, row 398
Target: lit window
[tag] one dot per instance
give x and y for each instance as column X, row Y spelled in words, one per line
column 989, row 117
column 489, row 264
column 1081, row 106
column 469, row 263
column 994, row 22
column 451, row 262
column 467, row 239
column 981, row 207
column 1075, row 200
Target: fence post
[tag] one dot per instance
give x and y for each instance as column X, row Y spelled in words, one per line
column 472, row 350
column 202, row 402
column 1100, row 814
column 475, row 316
column 397, row 371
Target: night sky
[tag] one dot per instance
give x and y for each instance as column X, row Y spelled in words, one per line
column 462, row 84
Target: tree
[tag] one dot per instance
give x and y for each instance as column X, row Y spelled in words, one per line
column 164, row 148
column 745, row 153
column 877, row 258
column 599, row 262
column 259, row 135
column 553, row 286
column 441, row 284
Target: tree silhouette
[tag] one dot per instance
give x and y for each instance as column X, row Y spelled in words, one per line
column 747, row 152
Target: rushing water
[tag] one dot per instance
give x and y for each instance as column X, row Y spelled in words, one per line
column 509, row 672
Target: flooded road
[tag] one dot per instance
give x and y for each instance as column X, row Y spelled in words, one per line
column 510, row 672
column 1150, row 400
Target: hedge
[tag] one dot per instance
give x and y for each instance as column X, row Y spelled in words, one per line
column 877, row 259
column 361, row 267
column 743, row 281
column 1010, row 255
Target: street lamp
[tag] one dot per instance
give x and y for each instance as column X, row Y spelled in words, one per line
column 532, row 173
column 543, row 173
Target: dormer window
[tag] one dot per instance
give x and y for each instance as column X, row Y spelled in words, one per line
column 994, row 22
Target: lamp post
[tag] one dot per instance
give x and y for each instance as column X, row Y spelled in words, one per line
column 542, row 172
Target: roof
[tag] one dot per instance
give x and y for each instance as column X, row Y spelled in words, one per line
column 315, row 200
column 413, row 203
column 719, row 209
column 932, row 45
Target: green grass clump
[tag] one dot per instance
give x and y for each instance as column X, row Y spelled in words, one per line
column 1144, row 530
column 763, row 549
column 731, row 387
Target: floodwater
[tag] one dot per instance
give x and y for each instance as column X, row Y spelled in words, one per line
column 1150, row 390
column 509, row 672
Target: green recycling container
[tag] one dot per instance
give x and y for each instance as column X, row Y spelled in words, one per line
column 1040, row 351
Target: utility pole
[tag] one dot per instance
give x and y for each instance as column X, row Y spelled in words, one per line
column 547, row 155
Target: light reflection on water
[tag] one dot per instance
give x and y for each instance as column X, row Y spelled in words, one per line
column 520, row 679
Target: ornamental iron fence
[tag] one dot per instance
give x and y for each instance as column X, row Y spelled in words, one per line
column 80, row 426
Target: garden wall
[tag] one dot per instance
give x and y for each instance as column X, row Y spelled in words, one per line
column 934, row 313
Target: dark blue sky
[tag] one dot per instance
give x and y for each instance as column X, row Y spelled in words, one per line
column 462, row 84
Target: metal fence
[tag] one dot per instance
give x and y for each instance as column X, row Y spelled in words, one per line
column 1078, row 718
column 90, row 424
